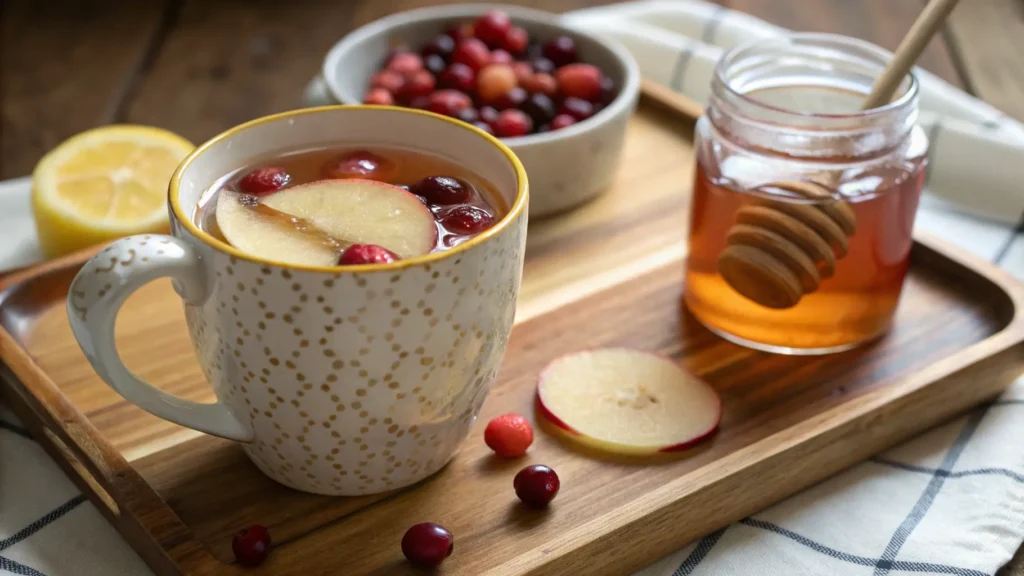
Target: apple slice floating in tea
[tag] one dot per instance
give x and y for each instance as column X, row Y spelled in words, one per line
column 627, row 402
column 263, row 235
column 314, row 223
column 362, row 212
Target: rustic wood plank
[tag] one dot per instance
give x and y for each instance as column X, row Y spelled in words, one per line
column 987, row 38
column 883, row 22
column 66, row 66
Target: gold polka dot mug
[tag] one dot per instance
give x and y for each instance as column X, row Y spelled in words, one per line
column 340, row 381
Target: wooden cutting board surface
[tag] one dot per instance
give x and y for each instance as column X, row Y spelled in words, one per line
column 608, row 274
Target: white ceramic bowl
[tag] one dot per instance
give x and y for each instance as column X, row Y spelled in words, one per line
column 566, row 167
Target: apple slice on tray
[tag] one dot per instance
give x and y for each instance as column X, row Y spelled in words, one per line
column 314, row 223
column 627, row 402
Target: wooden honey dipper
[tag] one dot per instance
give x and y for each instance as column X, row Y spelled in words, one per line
column 778, row 251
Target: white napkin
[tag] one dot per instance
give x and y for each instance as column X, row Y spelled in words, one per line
column 977, row 152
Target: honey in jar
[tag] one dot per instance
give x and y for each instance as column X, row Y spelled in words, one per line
column 803, row 206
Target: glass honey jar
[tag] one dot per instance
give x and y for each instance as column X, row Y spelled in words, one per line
column 803, row 205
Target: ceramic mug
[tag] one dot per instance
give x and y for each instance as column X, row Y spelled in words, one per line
column 340, row 381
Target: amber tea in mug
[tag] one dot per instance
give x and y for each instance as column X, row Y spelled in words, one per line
column 803, row 206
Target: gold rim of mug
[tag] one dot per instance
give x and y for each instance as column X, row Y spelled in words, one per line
column 518, row 206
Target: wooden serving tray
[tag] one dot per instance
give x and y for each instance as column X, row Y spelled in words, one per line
column 608, row 274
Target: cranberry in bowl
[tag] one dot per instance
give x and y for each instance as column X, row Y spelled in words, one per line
column 560, row 98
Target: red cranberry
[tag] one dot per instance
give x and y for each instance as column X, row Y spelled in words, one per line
column 488, row 114
column 405, row 63
column 577, row 108
column 427, row 544
column 515, row 41
column 448, row 102
column 434, row 63
column 442, row 45
column 420, row 102
column 459, row 76
column 492, row 27
column 443, row 190
column 379, row 96
column 560, row 50
column 359, row 164
column 469, row 115
column 539, row 108
column 561, row 121
column 484, row 126
column 251, row 546
column 541, row 83
column 500, row 56
column 388, row 80
column 607, row 91
column 542, row 64
column 467, row 219
column 264, row 180
column 513, row 123
column 536, row 485
column 472, row 52
column 420, row 83
column 509, row 435
column 511, row 99
column 523, row 71
column 580, row 81
column 367, row 254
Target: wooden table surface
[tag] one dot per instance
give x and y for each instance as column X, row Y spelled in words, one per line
column 198, row 67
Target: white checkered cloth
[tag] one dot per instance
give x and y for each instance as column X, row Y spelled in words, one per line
column 977, row 152
column 949, row 502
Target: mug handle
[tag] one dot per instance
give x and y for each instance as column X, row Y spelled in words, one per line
column 97, row 294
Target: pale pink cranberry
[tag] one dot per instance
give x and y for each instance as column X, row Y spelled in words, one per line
column 561, row 121
column 379, row 96
column 488, row 114
column 523, row 71
column 405, row 63
column 388, row 80
column 494, row 81
column 500, row 56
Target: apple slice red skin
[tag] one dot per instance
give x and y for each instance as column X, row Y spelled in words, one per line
column 603, row 446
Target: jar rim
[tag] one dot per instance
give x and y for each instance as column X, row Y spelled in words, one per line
column 846, row 44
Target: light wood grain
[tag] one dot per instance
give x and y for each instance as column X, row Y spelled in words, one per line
column 987, row 35
column 788, row 421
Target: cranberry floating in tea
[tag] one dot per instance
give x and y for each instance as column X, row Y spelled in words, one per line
column 493, row 64
column 331, row 207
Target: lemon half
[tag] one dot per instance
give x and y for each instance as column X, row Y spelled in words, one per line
column 103, row 184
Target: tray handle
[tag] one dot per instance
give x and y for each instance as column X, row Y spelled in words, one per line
column 97, row 293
